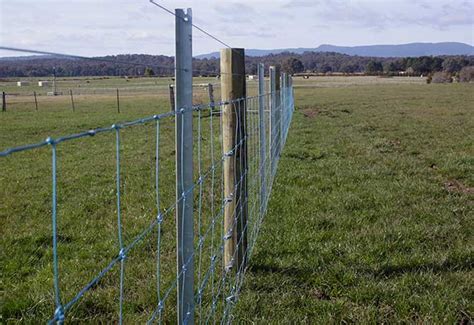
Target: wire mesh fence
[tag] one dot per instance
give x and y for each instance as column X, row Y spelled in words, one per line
column 152, row 220
column 141, row 259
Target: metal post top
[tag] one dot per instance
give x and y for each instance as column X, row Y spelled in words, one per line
column 184, row 13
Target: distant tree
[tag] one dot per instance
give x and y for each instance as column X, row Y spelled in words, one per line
column 410, row 71
column 322, row 62
column 149, row 72
column 436, row 64
column 349, row 68
column 441, row 78
column 454, row 64
column 429, row 79
column 252, row 68
column 420, row 65
column 293, row 65
column 467, row 74
column 374, row 67
column 325, row 68
column 389, row 67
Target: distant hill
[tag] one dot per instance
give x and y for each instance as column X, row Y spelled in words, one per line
column 136, row 64
column 402, row 50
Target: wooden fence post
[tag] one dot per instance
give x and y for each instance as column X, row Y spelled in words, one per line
column 210, row 90
column 72, row 101
column 172, row 100
column 36, row 101
column 4, row 102
column 233, row 92
column 118, row 101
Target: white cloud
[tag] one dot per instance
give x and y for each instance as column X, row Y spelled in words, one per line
column 98, row 27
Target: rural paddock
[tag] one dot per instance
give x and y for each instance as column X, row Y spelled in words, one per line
column 370, row 218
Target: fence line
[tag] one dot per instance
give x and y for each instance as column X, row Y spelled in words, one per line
column 263, row 122
column 32, row 100
column 255, row 215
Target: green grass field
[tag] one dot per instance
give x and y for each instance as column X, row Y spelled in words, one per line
column 370, row 219
column 372, row 214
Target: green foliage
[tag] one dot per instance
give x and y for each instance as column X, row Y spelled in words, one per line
column 321, row 62
column 374, row 67
column 149, row 72
column 349, row 68
column 441, row 78
column 391, row 67
column 293, row 65
column 466, row 74
column 454, row 64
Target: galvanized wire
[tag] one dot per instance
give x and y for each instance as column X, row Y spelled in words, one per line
column 217, row 288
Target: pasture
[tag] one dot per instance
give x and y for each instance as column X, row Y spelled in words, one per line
column 370, row 218
column 372, row 214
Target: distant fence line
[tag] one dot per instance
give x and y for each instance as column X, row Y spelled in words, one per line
column 34, row 100
column 236, row 159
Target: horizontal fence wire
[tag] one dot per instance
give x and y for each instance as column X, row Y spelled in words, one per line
column 217, row 285
column 83, row 98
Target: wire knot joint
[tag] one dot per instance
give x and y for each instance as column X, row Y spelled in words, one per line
column 50, row 141
column 59, row 314
column 122, row 255
column 159, row 217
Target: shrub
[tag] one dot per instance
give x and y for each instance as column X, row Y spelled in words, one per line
column 467, row 74
column 441, row 78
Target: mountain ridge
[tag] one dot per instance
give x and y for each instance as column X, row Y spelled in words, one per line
column 384, row 50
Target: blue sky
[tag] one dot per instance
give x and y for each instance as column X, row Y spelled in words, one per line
column 100, row 27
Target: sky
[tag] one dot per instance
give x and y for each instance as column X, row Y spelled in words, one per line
column 102, row 27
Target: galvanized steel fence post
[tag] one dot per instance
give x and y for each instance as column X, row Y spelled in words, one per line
column 283, row 106
column 277, row 112
column 262, row 134
column 275, row 116
column 184, row 167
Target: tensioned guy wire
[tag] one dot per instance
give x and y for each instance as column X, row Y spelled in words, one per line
column 194, row 25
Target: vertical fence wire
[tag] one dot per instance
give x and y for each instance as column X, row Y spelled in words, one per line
column 218, row 286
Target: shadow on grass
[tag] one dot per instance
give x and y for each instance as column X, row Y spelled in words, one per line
column 298, row 276
column 453, row 264
column 290, row 271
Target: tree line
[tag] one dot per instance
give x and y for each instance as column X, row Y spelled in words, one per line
column 160, row 65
